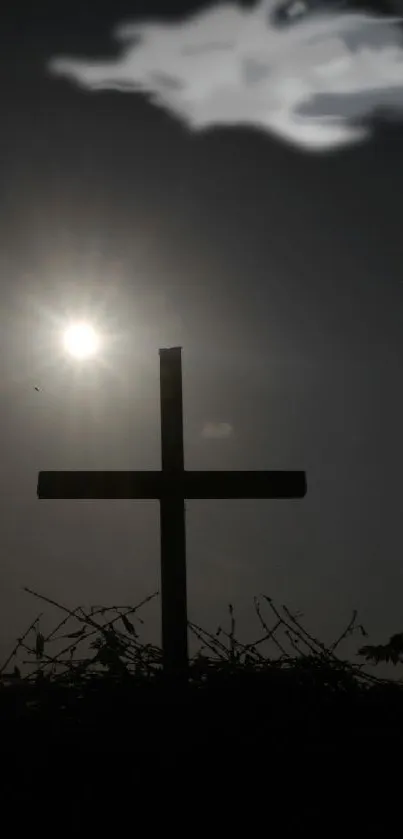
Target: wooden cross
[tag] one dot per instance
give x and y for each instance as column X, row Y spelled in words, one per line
column 171, row 487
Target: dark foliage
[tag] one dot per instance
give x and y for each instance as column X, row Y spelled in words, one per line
column 105, row 689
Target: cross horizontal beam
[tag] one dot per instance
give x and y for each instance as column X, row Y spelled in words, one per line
column 162, row 485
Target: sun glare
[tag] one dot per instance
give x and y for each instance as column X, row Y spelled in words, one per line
column 81, row 340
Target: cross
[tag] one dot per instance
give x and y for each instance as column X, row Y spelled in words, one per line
column 171, row 486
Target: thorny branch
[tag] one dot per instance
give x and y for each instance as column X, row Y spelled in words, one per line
column 119, row 648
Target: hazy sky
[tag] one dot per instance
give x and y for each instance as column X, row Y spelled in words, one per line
column 267, row 245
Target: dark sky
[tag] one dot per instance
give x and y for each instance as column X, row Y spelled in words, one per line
column 277, row 270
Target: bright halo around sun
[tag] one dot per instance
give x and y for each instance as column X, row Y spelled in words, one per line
column 81, row 341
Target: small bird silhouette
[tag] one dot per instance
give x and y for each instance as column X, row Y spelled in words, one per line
column 36, row 388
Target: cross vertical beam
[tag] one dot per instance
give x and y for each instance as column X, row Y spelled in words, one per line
column 173, row 527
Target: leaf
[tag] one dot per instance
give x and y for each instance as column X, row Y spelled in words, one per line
column 40, row 645
column 110, row 659
column 112, row 640
column 382, row 652
column 128, row 625
column 396, row 642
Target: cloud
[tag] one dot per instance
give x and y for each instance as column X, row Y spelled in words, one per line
column 217, row 430
column 312, row 76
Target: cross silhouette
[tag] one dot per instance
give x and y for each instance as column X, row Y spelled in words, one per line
column 171, row 486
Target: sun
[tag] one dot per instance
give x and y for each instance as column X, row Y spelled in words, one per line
column 81, row 340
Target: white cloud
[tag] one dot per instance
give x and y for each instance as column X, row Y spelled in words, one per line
column 217, row 430
column 312, row 77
